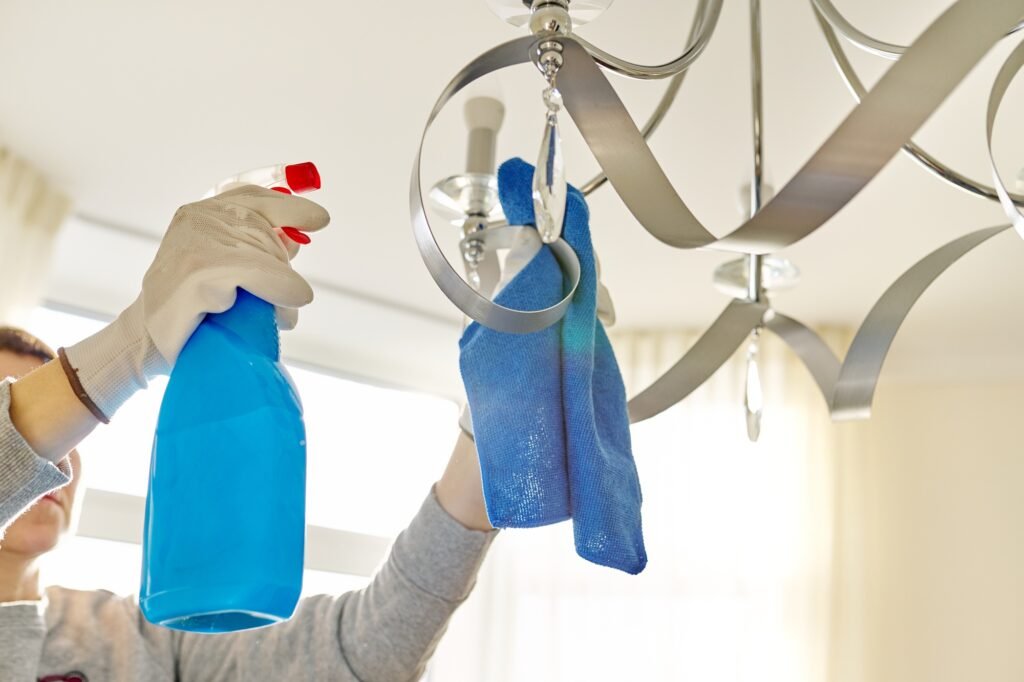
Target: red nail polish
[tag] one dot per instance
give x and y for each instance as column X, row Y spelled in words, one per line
column 296, row 235
column 282, row 190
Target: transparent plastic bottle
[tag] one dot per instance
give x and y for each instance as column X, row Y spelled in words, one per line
column 224, row 531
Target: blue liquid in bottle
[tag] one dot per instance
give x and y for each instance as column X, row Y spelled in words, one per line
column 225, row 515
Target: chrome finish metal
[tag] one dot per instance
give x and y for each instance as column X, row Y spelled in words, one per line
column 880, row 48
column 1009, row 69
column 550, row 17
column 755, row 289
column 753, row 403
column 866, row 140
column 468, row 300
column 849, row 387
column 468, row 194
column 492, row 239
column 550, row 61
column 755, row 286
column 810, row 348
column 929, row 162
column 709, row 9
column 710, row 352
column 667, row 99
column 519, row 12
column 757, row 109
column 855, row 388
column 732, row 278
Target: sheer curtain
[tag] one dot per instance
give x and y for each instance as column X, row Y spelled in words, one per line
column 31, row 212
column 743, row 574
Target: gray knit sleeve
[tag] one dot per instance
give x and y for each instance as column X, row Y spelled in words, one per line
column 385, row 632
column 24, row 475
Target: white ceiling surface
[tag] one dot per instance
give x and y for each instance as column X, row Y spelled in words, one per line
column 135, row 108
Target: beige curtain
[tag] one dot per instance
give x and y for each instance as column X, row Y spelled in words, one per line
column 31, row 212
column 744, row 540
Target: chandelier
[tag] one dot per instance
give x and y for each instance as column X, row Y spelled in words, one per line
column 880, row 126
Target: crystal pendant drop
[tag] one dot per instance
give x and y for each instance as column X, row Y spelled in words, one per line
column 753, row 399
column 549, row 183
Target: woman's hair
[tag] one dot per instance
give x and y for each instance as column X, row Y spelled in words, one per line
column 20, row 342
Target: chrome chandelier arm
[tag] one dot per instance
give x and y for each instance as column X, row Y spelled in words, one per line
column 849, row 387
column 708, row 10
column 827, row 11
column 467, row 299
column 667, row 99
column 903, row 99
column 1010, row 68
column 710, row 352
column 819, row 359
column 855, row 388
column 929, row 162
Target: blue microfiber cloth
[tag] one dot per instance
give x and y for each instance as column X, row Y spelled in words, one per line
column 549, row 408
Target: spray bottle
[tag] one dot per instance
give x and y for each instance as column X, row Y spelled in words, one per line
column 224, row 531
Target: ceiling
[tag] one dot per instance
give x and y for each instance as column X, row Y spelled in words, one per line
column 134, row 108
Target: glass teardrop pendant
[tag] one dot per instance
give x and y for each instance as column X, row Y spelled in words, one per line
column 753, row 398
column 549, row 183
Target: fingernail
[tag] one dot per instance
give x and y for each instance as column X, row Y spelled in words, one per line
column 282, row 190
column 296, row 235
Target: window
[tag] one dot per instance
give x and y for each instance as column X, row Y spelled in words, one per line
column 373, row 454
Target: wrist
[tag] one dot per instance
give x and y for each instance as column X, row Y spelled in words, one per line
column 115, row 362
column 460, row 489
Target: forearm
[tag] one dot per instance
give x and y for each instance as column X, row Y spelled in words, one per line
column 24, row 475
column 460, row 490
column 389, row 630
column 48, row 414
column 386, row 631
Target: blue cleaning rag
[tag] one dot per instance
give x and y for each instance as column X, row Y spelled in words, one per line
column 549, row 408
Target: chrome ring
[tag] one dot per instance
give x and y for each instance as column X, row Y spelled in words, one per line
column 468, row 300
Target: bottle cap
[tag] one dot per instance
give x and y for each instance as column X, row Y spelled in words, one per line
column 302, row 177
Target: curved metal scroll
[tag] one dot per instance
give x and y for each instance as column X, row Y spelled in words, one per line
column 862, row 40
column 1010, row 68
column 873, row 132
column 698, row 28
column 878, row 127
column 929, row 162
column 710, row 352
column 849, row 387
column 447, row 278
column 708, row 12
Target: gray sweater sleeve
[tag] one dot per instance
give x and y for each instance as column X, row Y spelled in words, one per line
column 24, row 475
column 385, row 632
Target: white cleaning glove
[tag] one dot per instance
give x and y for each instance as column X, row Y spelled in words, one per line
column 211, row 248
column 525, row 246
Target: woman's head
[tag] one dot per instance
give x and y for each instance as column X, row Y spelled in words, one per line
column 37, row 530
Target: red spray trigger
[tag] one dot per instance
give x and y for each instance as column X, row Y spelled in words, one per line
column 302, row 177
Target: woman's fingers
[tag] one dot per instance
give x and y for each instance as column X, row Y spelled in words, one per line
column 279, row 209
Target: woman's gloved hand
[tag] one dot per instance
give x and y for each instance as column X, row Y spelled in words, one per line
column 524, row 248
column 211, row 248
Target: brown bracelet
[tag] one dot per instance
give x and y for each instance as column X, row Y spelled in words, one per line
column 76, row 386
